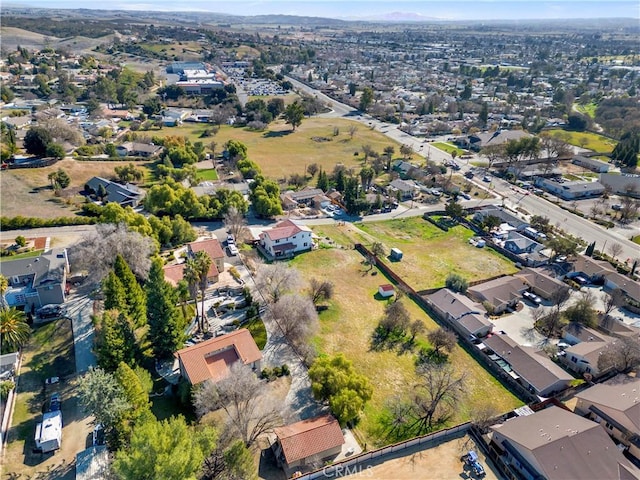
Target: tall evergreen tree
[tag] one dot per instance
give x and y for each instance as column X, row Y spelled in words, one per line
column 136, row 396
column 115, row 297
column 115, row 341
column 166, row 331
column 136, row 299
column 323, row 181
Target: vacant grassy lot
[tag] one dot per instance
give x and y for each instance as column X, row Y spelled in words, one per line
column 27, row 191
column 347, row 327
column 589, row 140
column 48, row 353
column 281, row 152
column 430, row 254
column 589, row 109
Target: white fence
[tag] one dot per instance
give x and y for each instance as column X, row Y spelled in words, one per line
column 350, row 465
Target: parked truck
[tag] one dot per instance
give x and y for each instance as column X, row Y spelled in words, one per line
column 49, row 432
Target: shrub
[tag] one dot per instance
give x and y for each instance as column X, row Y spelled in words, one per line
column 5, row 388
column 456, row 283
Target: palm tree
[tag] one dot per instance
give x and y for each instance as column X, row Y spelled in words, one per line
column 191, row 276
column 14, row 329
column 4, row 285
column 203, row 261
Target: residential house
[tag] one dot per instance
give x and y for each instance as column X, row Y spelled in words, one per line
column 304, row 196
column 213, row 248
column 477, row 141
column 126, row 195
column 17, row 123
column 403, row 167
column 174, row 273
column 501, row 293
column 587, row 346
column 386, row 290
column 286, row 239
column 570, row 190
column 592, row 164
column 626, row 285
column 174, row 117
column 460, row 310
column 541, row 282
column 530, row 367
column 519, row 244
column 36, row 281
column 622, row 184
column 615, row 405
column 555, row 444
column 503, row 215
column 405, row 189
column 211, row 359
column 592, row 270
column 137, row 149
column 310, row 442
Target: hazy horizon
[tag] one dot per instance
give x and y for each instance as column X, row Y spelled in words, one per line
column 354, row 9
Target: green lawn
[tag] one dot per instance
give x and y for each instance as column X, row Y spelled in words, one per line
column 589, row 109
column 349, row 322
column 33, row 253
column 431, row 254
column 449, row 148
column 591, row 141
column 208, row 174
column 258, row 331
column 281, row 152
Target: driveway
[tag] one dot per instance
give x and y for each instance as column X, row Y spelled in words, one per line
column 79, row 308
column 519, row 326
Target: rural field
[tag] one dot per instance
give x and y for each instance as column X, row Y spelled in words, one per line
column 430, row 254
column 281, row 152
column 49, row 352
column 347, row 327
column 27, row 191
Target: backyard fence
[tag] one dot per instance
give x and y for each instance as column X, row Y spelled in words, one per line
column 349, row 466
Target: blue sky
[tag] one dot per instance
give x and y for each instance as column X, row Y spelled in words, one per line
column 446, row 10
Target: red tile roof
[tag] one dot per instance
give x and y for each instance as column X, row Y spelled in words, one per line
column 211, row 359
column 309, row 437
column 174, row 273
column 386, row 287
column 211, row 246
column 282, row 230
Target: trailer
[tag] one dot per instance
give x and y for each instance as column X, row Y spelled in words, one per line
column 49, row 433
column 396, row 254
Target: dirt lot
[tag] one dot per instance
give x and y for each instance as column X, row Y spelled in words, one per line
column 440, row 462
column 50, row 352
column 27, row 191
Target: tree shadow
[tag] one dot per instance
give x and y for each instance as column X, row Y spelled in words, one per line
column 277, row 134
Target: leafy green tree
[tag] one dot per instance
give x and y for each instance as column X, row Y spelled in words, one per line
column 166, row 331
column 334, row 380
column 55, row 150
column 484, row 114
column 456, row 282
column 239, row 462
column 14, row 329
column 37, row 140
column 168, row 450
column 115, row 341
column 562, row 246
column 323, row 181
column 136, row 299
column 20, row 241
column 265, row 197
column 236, row 150
column 293, row 114
column 454, row 210
column 366, row 99
column 275, row 107
column 128, row 173
column 102, row 396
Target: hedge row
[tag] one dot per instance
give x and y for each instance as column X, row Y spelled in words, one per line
column 20, row 222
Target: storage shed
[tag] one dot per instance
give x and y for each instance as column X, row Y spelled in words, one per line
column 396, row 254
column 386, row 290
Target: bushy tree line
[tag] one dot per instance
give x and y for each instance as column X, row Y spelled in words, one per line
column 20, row 222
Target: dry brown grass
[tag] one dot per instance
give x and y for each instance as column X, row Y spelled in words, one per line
column 349, row 323
column 27, row 192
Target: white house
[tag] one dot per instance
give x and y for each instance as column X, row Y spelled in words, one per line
column 285, row 239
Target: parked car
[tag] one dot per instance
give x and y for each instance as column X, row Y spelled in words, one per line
column 532, row 297
column 230, row 240
column 616, row 206
column 466, row 196
column 233, row 250
column 49, row 311
column 486, row 178
column 580, row 280
column 469, row 174
column 97, row 436
column 51, row 380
